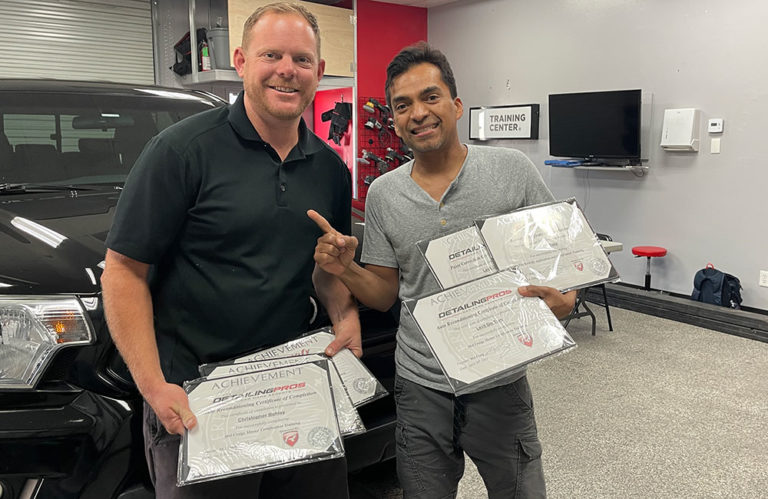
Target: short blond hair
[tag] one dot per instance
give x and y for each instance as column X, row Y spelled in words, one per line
column 281, row 8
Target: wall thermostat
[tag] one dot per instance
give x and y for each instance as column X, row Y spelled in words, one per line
column 715, row 125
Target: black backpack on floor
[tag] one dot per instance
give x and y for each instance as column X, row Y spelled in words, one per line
column 713, row 286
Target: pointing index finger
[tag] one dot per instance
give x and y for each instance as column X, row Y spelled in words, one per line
column 321, row 222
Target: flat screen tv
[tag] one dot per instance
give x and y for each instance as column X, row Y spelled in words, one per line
column 595, row 125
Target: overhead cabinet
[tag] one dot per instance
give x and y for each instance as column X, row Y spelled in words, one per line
column 336, row 31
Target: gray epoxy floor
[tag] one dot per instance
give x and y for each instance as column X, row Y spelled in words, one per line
column 654, row 409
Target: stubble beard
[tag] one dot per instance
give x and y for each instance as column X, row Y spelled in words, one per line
column 267, row 108
column 434, row 144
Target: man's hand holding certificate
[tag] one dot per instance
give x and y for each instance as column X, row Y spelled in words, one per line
column 484, row 331
column 552, row 245
column 480, row 329
column 258, row 421
column 360, row 384
column 283, row 406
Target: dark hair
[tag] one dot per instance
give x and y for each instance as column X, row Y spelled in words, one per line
column 419, row 53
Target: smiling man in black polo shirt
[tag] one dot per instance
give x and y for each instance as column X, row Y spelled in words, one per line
column 211, row 252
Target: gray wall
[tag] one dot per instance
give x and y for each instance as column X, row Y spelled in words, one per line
column 705, row 54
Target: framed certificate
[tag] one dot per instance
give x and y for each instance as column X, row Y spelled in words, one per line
column 485, row 332
column 349, row 420
column 458, row 257
column 258, row 421
column 359, row 383
column 551, row 244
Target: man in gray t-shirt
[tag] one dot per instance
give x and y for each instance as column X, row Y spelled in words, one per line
column 398, row 213
column 445, row 187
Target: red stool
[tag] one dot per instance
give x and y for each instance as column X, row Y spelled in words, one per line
column 648, row 252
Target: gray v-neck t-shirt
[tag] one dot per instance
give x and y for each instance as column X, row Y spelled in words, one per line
column 399, row 213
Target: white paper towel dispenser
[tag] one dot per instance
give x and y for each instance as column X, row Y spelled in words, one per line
column 680, row 131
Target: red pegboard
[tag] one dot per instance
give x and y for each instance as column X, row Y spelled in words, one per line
column 374, row 139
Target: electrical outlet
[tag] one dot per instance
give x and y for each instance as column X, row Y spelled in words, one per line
column 764, row 278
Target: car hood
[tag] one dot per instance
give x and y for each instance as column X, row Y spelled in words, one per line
column 53, row 243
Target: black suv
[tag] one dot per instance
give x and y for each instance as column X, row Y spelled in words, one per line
column 69, row 412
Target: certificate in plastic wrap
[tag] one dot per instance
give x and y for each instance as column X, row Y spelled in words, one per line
column 258, row 421
column 458, row 257
column 349, row 420
column 360, row 384
column 551, row 244
column 484, row 332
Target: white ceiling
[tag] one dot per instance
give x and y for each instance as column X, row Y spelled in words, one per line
column 418, row 3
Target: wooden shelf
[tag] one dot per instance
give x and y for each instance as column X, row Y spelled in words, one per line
column 331, row 82
column 230, row 76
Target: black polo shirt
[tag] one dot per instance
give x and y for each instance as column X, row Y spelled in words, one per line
column 223, row 222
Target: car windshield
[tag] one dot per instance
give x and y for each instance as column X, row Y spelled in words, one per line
column 80, row 138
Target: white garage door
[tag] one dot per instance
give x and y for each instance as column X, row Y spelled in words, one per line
column 77, row 39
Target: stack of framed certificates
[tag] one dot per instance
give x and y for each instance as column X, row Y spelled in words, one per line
column 349, row 420
column 551, row 244
column 285, row 406
column 479, row 328
column 361, row 386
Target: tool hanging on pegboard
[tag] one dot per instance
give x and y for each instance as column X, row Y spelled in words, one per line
column 381, row 165
column 339, row 116
column 380, row 120
column 395, row 156
column 381, row 149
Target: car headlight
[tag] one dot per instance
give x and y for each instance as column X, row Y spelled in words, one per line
column 32, row 329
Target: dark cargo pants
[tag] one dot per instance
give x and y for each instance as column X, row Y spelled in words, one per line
column 495, row 427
